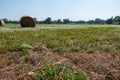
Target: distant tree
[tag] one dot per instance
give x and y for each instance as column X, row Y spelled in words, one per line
column 117, row 20
column 109, row 21
column 90, row 22
column 59, row 21
column 99, row 21
column 81, row 22
column 66, row 21
column 35, row 19
column 40, row 22
column 78, row 22
column 15, row 22
column 48, row 20
column 5, row 20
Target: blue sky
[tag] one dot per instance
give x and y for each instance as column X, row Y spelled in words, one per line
column 59, row 9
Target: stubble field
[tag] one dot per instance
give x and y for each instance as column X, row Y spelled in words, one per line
column 60, row 52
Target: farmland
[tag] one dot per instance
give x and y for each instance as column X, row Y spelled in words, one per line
column 60, row 52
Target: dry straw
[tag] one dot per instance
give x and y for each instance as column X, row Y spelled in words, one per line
column 27, row 21
column 2, row 23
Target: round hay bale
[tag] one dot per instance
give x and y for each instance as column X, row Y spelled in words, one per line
column 2, row 23
column 27, row 21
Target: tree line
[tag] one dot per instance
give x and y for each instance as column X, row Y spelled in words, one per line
column 113, row 20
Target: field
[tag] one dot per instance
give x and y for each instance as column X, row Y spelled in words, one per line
column 60, row 52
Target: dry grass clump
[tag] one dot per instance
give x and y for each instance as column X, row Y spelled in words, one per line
column 2, row 23
column 27, row 21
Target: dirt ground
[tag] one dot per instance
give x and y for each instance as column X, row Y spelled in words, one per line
column 97, row 66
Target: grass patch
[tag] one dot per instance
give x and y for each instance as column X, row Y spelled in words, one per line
column 108, row 49
column 113, row 54
column 1, row 58
column 60, row 38
column 75, row 49
column 11, row 61
column 90, row 51
column 59, row 72
column 60, row 49
column 20, row 66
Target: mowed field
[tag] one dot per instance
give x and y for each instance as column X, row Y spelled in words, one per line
column 60, row 52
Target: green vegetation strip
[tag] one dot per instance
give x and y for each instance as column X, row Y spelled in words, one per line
column 63, row 40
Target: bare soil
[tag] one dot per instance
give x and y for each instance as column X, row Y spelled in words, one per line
column 97, row 66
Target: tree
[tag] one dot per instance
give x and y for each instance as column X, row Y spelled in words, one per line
column 90, row 22
column 48, row 20
column 35, row 19
column 66, row 21
column 109, row 21
column 99, row 21
column 117, row 20
column 59, row 21
column 5, row 20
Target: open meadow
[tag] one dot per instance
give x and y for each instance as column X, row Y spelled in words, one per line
column 60, row 52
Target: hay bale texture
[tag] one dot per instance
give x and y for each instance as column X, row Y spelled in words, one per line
column 2, row 23
column 27, row 21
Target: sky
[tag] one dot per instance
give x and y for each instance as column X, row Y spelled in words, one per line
column 59, row 9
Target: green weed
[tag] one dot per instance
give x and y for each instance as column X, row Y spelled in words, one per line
column 25, row 48
column 108, row 48
column 60, row 49
column 20, row 66
column 27, row 58
column 1, row 58
column 11, row 61
column 75, row 49
column 113, row 54
column 59, row 72
column 89, row 51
